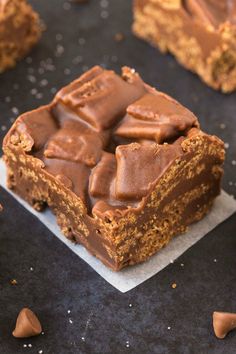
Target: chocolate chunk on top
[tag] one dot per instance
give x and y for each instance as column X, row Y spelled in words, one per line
column 138, row 166
column 156, row 116
column 33, row 129
column 102, row 100
column 76, row 173
column 75, row 142
column 102, row 175
column 76, row 84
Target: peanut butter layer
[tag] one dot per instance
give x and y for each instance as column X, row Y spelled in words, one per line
column 111, row 156
column 200, row 33
column 20, row 30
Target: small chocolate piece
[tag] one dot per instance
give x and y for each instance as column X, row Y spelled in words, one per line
column 139, row 165
column 201, row 35
column 32, row 133
column 20, row 30
column 223, row 323
column 102, row 175
column 150, row 118
column 123, row 166
column 80, row 1
column 75, row 142
column 77, row 174
column 119, row 37
column 27, row 324
column 101, row 101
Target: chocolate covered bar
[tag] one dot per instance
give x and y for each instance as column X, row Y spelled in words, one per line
column 20, row 29
column 201, row 34
column 123, row 166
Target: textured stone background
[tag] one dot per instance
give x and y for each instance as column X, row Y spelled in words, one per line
column 52, row 281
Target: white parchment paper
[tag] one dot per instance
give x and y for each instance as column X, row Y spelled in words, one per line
column 129, row 278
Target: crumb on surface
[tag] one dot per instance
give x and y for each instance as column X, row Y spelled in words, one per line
column 119, row 37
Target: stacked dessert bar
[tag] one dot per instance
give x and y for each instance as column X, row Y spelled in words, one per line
column 123, row 166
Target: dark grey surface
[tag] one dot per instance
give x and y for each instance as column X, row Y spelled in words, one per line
column 60, row 281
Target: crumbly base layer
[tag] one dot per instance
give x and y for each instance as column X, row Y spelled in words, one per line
column 218, row 69
column 183, row 195
column 20, row 30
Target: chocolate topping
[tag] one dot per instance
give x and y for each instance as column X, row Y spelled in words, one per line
column 157, row 117
column 140, row 165
column 102, row 175
column 76, row 173
column 76, row 84
column 27, row 324
column 75, row 142
column 104, row 99
column 223, row 322
column 83, row 138
column 35, row 128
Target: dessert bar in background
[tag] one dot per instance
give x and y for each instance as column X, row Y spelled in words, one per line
column 123, row 166
column 20, row 29
column 200, row 33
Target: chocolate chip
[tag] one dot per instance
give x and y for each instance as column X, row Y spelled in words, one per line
column 79, row 1
column 223, row 323
column 119, row 37
column 27, row 324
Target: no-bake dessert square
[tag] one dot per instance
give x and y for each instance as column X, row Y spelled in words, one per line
column 123, row 166
column 200, row 33
column 20, row 29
